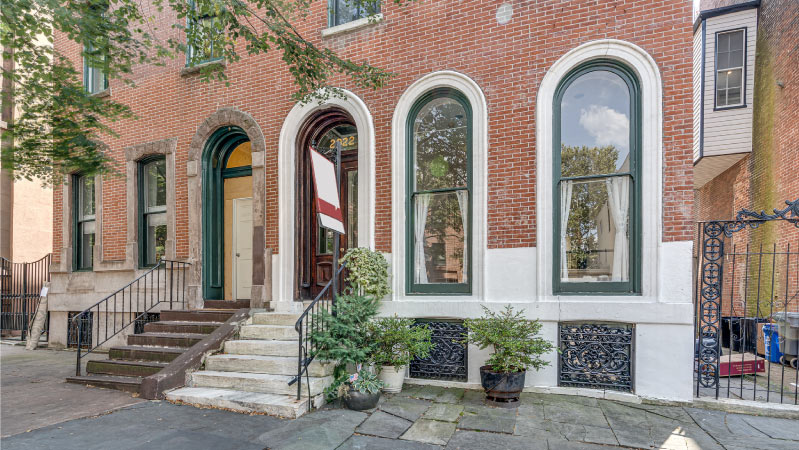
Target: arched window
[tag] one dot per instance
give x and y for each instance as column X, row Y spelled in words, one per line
column 439, row 196
column 596, row 181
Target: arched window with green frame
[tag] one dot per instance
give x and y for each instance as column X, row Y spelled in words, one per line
column 597, row 181
column 439, row 194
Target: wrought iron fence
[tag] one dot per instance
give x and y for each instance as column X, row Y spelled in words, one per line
column 308, row 323
column 20, row 287
column 747, row 307
column 164, row 284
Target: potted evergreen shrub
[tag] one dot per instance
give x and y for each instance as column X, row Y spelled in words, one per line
column 398, row 342
column 343, row 334
column 516, row 348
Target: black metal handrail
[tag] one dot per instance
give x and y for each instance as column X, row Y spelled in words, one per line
column 139, row 296
column 308, row 323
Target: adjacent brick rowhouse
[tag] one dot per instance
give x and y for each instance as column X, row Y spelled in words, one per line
column 507, row 61
column 767, row 177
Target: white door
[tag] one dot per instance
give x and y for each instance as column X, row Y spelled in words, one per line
column 242, row 248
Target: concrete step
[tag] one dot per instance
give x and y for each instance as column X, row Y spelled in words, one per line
column 127, row 384
column 242, row 401
column 226, row 304
column 142, row 353
column 275, row 365
column 257, row 382
column 175, row 326
column 124, row 368
column 184, row 340
column 262, row 347
column 200, row 315
column 270, row 318
column 280, row 332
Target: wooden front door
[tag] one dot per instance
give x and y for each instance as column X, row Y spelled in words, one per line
column 314, row 256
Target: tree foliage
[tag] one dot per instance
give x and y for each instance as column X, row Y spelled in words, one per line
column 398, row 341
column 61, row 127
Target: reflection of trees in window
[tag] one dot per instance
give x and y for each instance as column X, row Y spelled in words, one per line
column 588, row 198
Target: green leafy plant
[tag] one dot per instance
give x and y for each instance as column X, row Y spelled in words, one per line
column 365, row 381
column 514, row 339
column 343, row 334
column 398, row 341
column 368, row 272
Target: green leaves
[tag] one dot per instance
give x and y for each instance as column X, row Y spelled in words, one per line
column 398, row 341
column 60, row 128
column 368, row 272
column 344, row 332
column 514, row 339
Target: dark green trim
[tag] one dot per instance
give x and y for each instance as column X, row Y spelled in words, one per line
column 412, row 288
column 244, row 171
column 633, row 286
column 214, row 157
column 141, row 215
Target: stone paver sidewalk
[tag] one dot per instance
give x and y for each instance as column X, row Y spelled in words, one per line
column 422, row 418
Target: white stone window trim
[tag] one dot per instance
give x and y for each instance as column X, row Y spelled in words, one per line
column 352, row 26
column 649, row 79
column 287, row 157
column 474, row 94
column 133, row 155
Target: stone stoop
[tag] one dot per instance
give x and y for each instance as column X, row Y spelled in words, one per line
column 253, row 372
column 149, row 352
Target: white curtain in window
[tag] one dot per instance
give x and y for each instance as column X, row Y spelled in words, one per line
column 618, row 203
column 565, row 208
column 420, row 217
column 463, row 203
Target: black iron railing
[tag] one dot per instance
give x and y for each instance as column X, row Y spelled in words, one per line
column 747, row 307
column 309, row 323
column 163, row 284
column 20, row 287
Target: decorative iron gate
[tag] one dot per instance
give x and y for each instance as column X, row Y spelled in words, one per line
column 747, row 307
column 20, row 286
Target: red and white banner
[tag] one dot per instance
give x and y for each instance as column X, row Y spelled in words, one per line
column 327, row 195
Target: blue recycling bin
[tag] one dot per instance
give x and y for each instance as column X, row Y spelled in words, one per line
column 771, row 342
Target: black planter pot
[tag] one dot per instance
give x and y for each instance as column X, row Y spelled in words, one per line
column 502, row 388
column 359, row 401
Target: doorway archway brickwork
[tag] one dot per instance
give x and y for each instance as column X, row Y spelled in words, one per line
column 261, row 277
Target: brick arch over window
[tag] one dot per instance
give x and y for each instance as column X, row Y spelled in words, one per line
column 261, row 276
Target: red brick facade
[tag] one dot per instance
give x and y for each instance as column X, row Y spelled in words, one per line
column 507, row 61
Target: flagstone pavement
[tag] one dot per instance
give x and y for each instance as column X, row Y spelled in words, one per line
column 424, row 418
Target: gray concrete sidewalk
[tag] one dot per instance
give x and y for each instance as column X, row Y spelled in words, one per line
column 33, row 393
column 419, row 418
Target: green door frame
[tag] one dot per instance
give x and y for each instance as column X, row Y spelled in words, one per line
column 214, row 159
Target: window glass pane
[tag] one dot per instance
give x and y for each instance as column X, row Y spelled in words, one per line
column 155, row 185
column 734, row 78
column 723, row 61
column 595, row 125
column 724, row 42
column 156, row 238
column 440, row 247
column 736, row 58
column 721, row 97
column 97, row 80
column 736, row 40
column 86, row 186
column 594, row 223
column 343, row 11
column 206, row 45
column 440, row 140
column 86, row 245
column 733, row 96
column 325, row 241
column 346, row 135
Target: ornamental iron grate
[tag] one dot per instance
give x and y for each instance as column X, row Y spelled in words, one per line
column 447, row 360
column 596, row 355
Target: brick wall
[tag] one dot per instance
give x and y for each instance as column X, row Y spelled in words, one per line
column 507, row 61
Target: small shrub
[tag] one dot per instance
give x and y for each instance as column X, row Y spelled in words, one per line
column 367, row 272
column 514, row 339
column 398, row 342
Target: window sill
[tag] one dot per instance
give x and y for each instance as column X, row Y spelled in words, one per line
column 352, row 26
column 725, row 108
column 104, row 93
column 197, row 68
